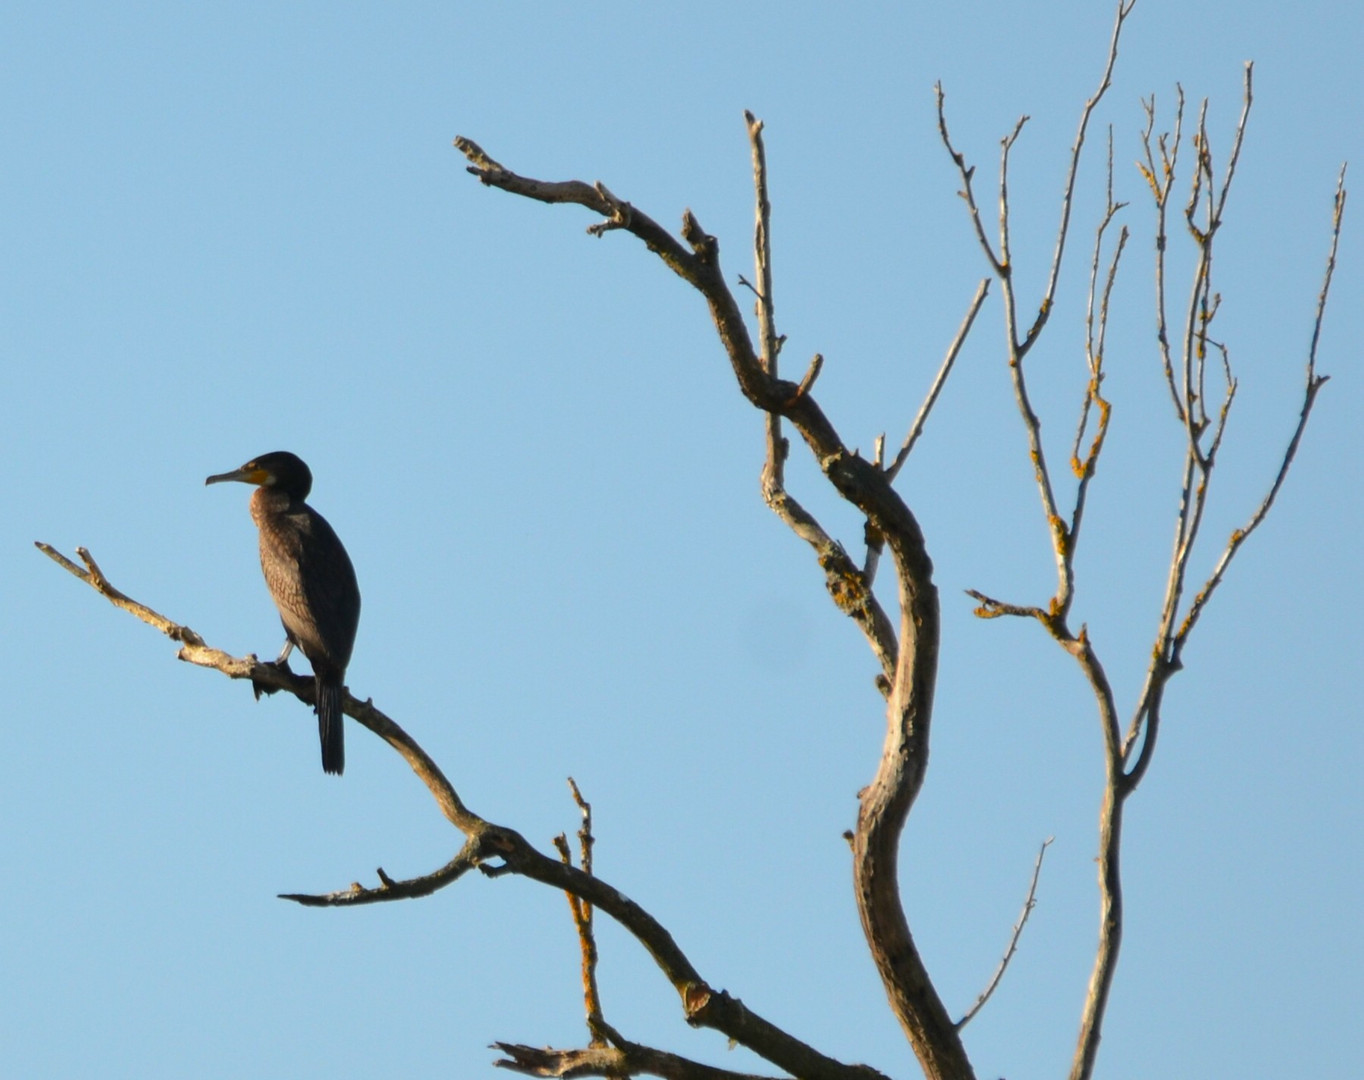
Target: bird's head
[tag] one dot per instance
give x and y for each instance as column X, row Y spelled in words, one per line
column 280, row 470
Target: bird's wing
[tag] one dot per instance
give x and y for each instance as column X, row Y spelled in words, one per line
column 329, row 589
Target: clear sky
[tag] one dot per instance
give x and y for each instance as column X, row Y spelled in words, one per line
column 233, row 228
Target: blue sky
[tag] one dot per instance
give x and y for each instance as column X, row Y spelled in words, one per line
column 229, row 229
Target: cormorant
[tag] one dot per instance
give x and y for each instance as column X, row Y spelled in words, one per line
column 311, row 580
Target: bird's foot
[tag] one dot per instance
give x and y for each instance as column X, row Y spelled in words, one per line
column 259, row 688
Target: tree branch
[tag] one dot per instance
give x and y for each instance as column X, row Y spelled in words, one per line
column 496, row 850
column 470, row 855
column 1313, row 383
column 1168, row 659
column 1189, row 394
column 597, row 1027
column 1018, row 345
column 849, row 587
column 274, row 677
column 1109, row 860
column 1028, row 904
column 885, row 803
column 1096, row 334
column 1203, row 437
column 921, row 418
column 623, row 1059
column 1188, row 390
column 1053, row 278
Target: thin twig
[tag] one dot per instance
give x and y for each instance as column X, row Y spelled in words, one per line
column 93, row 576
column 582, row 919
column 1005, row 254
column 1096, row 333
column 990, row 608
column 762, row 248
column 921, row 418
column 967, row 192
column 807, row 382
column 390, row 889
column 1028, row 904
column 1146, row 718
column 1053, row 278
column 1161, row 177
column 871, row 535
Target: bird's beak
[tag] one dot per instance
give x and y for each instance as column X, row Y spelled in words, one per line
column 247, row 474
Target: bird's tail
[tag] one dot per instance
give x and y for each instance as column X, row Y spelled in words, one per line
column 329, row 729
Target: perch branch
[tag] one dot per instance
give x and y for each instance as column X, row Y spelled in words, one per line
column 195, row 651
column 496, row 851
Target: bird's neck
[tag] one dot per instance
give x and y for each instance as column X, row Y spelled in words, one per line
column 269, row 501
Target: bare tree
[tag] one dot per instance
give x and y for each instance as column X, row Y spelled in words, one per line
column 903, row 634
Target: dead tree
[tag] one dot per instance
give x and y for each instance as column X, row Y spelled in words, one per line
column 903, row 635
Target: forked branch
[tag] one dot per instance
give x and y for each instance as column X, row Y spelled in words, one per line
column 1018, row 341
column 848, row 586
column 909, row 669
column 1203, row 430
column 1170, row 641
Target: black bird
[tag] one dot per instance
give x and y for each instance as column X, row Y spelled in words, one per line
column 311, row 580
